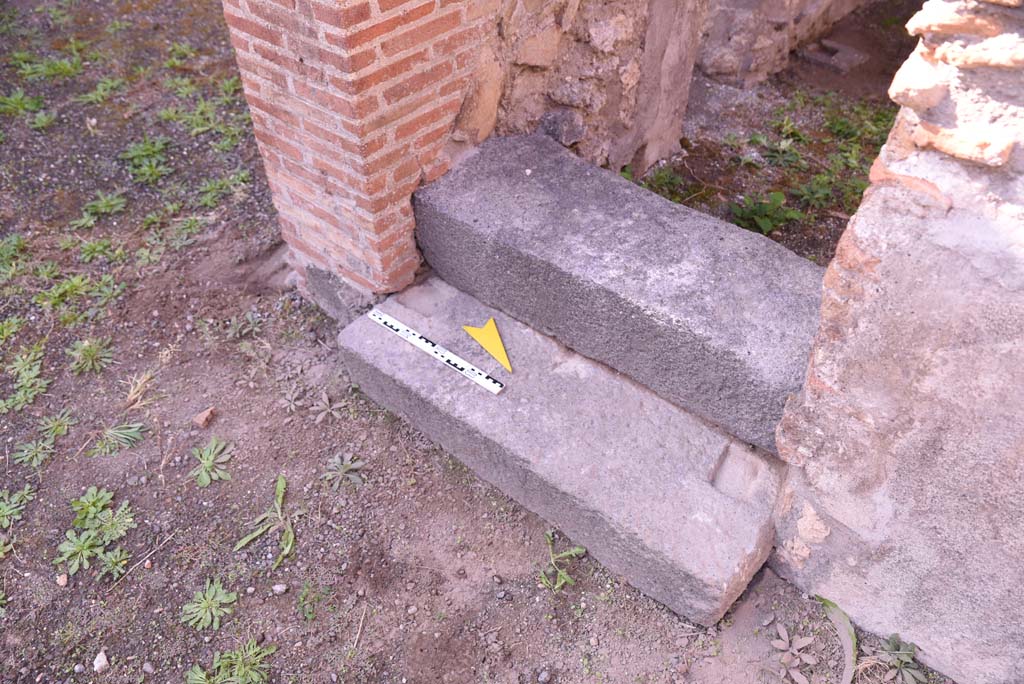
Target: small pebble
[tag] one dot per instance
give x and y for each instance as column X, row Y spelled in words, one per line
column 594, row 641
column 62, row 579
column 250, row 590
column 544, row 677
column 79, row 668
column 148, row 668
column 101, row 664
column 279, row 589
column 411, row 610
column 497, row 579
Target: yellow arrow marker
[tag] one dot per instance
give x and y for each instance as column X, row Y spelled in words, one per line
column 489, row 338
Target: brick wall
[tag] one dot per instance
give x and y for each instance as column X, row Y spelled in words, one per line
column 357, row 102
column 352, row 102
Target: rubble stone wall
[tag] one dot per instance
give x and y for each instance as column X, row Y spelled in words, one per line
column 609, row 78
column 745, row 41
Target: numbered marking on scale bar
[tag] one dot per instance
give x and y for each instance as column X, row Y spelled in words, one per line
column 453, row 361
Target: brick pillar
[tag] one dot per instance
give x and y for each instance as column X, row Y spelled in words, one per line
column 352, row 102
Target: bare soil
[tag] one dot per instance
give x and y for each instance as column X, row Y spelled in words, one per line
column 423, row 573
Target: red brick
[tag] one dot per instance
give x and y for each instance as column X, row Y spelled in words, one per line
column 400, row 276
column 278, row 144
column 439, row 134
column 272, row 110
column 383, row 243
column 394, row 113
column 254, row 67
column 388, row 5
column 348, row 63
column 417, row 124
column 342, row 17
column 401, row 252
column 357, row 108
column 364, row 147
column 294, row 66
column 239, row 42
column 405, row 169
column 422, row 34
column 451, row 44
column 252, row 28
column 353, row 40
column 381, row 75
column 386, row 160
column 417, row 83
column 284, row 21
column 454, row 85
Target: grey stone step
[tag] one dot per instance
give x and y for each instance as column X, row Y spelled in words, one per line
column 677, row 507
column 712, row 317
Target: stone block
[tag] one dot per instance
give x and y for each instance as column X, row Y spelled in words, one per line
column 674, row 505
column 712, row 317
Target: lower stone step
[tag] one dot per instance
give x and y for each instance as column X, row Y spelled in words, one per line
column 676, row 506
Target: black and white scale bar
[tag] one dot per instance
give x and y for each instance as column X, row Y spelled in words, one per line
column 437, row 351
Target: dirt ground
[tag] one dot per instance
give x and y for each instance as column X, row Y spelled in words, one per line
column 421, row 573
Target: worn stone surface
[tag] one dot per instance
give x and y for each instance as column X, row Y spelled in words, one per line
column 905, row 502
column 714, row 318
column 658, row 496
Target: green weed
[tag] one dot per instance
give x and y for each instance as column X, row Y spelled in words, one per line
column 764, row 214
column 18, row 103
column 344, row 469
column 245, row 665
column 12, row 505
column 212, row 461
column 181, row 86
column 117, row 25
column 9, row 327
column 42, row 121
column 77, row 549
column 33, row 454
column 178, row 54
column 208, row 606
column 96, row 249
column 555, row 575
column 113, row 439
column 113, row 563
column 28, row 381
column 212, row 191
column 90, row 355
column 817, row 193
column 57, row 425
column 102, row 92
column 274, row 520
column 51, row 69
